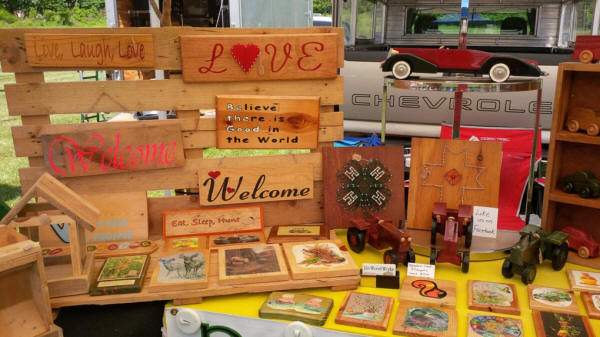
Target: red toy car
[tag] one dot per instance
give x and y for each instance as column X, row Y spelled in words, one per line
column 582, row 242
column 404, row 61
column 587, row 48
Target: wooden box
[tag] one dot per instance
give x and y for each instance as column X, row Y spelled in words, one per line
column 570, row 152
column 24, row 301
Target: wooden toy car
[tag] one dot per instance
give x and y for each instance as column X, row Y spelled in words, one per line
column 584, row 119
column 380, row 233
column 582, row 242
column 587, row 48
column 533, row 247
column 441, row 215
column 449, row 253
column 584, row 183
column 404, row 61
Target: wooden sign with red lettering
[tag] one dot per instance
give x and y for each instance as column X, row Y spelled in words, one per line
column 258, row 57
column 113, row 149
column 115, row 51
column 233, row 185
column 267, row 122
column 212, row 221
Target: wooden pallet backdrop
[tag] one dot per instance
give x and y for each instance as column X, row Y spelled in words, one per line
column 35, row 101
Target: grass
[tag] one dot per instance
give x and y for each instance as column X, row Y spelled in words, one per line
column 10, row 191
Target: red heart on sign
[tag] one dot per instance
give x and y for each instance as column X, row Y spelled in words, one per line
column 230, row 190
column 245, row 55
column 214, row 174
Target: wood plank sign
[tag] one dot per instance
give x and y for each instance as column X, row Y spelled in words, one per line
column 258, row 57
column 212, row 221
column 267, row 122
column 114, row 51
column 255, row 184
column 113, row 150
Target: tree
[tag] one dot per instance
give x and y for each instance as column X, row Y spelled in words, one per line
column 322, row 6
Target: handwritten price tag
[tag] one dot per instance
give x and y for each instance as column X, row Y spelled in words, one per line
column 421, row 270
column 485, row 221
column 375, row 269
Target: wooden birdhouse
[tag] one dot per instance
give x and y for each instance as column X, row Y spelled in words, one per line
column 69, row 274
column 24, row 301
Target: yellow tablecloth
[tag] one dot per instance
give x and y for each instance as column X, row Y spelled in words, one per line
column 249, row 304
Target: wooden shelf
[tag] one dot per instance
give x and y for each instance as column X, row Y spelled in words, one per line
column 577, row 66
column 574, row 199
column 573, row 137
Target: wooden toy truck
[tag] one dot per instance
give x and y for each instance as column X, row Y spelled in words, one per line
column 463, row 216
column 449, row 253
column 380, row 233
column 584, row 119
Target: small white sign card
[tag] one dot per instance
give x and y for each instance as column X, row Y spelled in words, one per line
column 421, row 270
column 485, row 221
column 378, row 269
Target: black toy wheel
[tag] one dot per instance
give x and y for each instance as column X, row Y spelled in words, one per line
column 559, row 256
column 433, row 256
column 356, row 239
column 528, row 274
column 469, row 235
column 585, row 192
column 507, row 268
column 466, row 259
column 390, row 257
column 568, row 187
column 433, row 231
column 410, row 257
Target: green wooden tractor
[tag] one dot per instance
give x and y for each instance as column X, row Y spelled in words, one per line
column 533, row 248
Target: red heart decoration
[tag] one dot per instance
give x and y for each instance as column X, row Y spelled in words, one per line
column 245, row 55
column 230, row 190
column 214, row 174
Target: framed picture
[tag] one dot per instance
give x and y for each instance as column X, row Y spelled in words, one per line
column 359, row 181
column 557, row 324
column 122, row 274
column 493, row 297
column 552, row 299
column 185, row 270
column 235, row 239
column 297, row 233
column 584, row 280
column 365, row 311
column 493, row 326
column 591, row 302
column 322, row 258
column 421, row 290
column 192, row 242
column 253, row 264
column 425, row 321
column 296, row 307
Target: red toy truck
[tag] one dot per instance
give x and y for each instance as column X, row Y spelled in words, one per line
column 587, row 48
column 449, row 253
column 380, row 233
column 463, row 216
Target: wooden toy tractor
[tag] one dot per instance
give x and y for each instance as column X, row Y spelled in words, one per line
column 380, row 233
column 533, row 247
column 449, row 253
column 463, row 216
